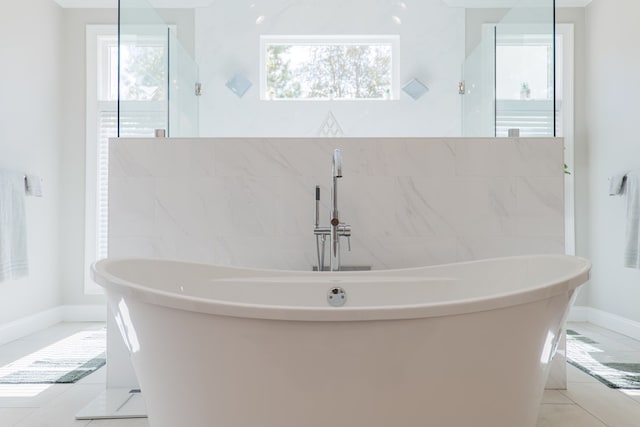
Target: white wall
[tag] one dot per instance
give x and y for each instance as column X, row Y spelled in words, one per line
column 613, row 90
column 30, row 130
column 432, row 50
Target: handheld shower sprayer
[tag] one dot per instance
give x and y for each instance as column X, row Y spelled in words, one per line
column 321, row 238
column 317, row 223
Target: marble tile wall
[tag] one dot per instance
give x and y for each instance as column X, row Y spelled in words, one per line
column 410, row 201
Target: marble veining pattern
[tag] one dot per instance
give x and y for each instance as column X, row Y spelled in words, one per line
column 410, row 201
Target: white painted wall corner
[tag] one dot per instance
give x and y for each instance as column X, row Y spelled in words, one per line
column 607, row 320
column 64, row 313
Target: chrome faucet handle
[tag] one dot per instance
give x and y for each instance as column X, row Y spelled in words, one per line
column 344, row 229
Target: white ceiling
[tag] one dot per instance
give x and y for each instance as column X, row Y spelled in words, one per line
column 204, row 3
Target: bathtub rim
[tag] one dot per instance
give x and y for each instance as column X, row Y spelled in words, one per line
column 114, row 284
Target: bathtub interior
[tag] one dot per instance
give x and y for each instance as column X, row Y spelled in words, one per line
column 415, row 286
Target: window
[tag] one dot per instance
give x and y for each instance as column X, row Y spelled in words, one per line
column 525, row 82
column 329, row 68
column 525, row 69
column 143, row 108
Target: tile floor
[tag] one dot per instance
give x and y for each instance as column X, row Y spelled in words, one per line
column 586, row 403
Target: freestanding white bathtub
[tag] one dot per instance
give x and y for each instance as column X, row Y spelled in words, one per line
column 459, row 345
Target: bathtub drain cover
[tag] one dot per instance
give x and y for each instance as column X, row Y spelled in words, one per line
column 336, row 297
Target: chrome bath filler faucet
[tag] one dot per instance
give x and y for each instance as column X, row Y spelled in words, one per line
column 337, row 229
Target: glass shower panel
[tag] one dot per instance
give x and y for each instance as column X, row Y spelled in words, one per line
column 143, row 71
column 157, row 76
column 477, row 88
column 509, row 78
column 183, row 93
column 525, row 70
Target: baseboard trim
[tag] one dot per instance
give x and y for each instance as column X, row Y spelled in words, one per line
column 84, row 313
column 607, row 320
column 64, row 313
column 579, row 314
column 27, row 325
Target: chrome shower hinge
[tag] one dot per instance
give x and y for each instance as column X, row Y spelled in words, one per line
column 198, row 89
column 462, row 89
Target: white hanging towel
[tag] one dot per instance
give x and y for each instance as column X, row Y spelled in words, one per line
column 13, row 226
column 616, row 184
column 33, row 185
column 632, row 248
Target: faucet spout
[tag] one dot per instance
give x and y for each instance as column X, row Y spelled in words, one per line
column 337, row 163
column 334, row 249
column 337, row 173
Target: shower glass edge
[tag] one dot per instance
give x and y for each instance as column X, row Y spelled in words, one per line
column 509, row 77
column 156, row 75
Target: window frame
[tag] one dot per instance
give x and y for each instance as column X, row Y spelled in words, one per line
column 97, row 64
column 306, row 40
column 94, row 67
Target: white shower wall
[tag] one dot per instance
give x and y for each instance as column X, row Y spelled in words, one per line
column 410, row 202
column 431, row 36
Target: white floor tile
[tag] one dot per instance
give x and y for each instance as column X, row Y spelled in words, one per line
column 634, row 394
column 134, row 422
column 60, row 412
column 97, row 377
column 10, row 416
column 29, row 395
column 610, row 406
column 566, row 416
column 555, row 397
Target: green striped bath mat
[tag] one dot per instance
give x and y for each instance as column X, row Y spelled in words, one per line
column 592, row 357
column 65, row 361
